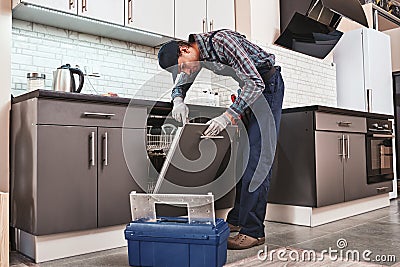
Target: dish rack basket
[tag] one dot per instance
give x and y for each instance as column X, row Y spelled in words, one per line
column 160, row 143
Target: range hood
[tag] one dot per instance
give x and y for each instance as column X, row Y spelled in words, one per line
column 309, row 36
column 309, row 26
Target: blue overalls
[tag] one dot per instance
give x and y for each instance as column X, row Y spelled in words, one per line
column 250, row 205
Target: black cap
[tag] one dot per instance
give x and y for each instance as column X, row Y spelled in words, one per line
column 168, row 57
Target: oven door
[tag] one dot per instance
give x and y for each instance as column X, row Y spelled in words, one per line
column 379, row 158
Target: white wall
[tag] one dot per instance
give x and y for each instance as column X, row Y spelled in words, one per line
column 5, row 85
column 132, row 70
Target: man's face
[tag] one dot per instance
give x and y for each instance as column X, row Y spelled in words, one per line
column 188, row 61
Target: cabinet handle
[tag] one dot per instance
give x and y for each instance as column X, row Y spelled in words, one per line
column 382, row 189
column 84, row 5
column 130, row 11
column 344, row 123
column 105, row 149
column 211, row 25
column 71, row 4
column 98, row 114
column 204, row 26
column 340, row 147
column 211, row 137
column 348, row 146
column 92, row 150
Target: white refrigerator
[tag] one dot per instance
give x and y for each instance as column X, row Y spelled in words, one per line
column 364, row 71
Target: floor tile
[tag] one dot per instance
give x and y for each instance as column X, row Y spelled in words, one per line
column 293, row 237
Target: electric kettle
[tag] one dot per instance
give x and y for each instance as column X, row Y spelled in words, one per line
column 63, row 79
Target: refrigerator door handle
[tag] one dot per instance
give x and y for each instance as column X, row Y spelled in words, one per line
column 369, row 100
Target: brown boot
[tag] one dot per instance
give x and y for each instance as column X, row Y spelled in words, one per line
column 241, row 241
column 233, row 228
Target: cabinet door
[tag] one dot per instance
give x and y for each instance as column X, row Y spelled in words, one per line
column 221, row 14
column 69, row 6
column 190, row 17
column 378, row 70
column 66, row 180
column 105, row 10
column 355, row 167
column 155, row 16
column 329, row 168
column 115, row 181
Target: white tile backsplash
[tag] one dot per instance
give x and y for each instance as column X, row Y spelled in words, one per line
column 132, row 70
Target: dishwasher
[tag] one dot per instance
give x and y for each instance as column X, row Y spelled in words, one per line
column 161, row 131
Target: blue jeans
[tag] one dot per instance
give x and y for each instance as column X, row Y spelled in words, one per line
column 250, row 207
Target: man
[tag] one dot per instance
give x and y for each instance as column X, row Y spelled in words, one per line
column 227, row 52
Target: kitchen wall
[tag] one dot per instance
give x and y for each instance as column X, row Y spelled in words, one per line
column 5, row 83
column 132, row 70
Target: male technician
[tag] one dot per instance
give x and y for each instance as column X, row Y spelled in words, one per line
column 231, row 54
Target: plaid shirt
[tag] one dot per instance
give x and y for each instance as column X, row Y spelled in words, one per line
column 234, row 52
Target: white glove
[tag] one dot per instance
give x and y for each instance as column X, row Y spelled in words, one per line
column 180, row 112
column 217, row 125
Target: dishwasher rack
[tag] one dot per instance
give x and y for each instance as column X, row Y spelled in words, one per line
column 160, row 143
column 157, row 147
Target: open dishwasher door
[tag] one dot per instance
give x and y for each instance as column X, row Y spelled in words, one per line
column 197, row 164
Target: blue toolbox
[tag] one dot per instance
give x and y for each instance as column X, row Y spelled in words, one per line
column 197, row 240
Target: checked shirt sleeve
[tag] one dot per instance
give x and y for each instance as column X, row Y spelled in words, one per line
column 182, row 84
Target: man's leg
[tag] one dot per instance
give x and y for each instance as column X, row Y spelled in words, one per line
column 253, row 204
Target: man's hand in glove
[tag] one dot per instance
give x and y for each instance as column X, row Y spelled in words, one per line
column 218, row 124
column 180, row 112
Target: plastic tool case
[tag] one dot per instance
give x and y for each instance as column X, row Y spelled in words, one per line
column 196, row 241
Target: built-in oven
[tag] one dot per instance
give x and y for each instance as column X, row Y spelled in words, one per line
column 379, row 148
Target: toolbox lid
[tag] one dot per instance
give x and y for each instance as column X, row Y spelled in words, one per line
column 177, row 229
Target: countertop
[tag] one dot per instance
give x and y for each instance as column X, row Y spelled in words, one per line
column 49, row 94
column 339, row 111
column 167, row 105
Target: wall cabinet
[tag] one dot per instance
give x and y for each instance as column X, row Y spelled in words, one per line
column 69, row 171
column 161, row 20
column 105, row 10
column 202, row 16
column 69, row 6
column 220, row 14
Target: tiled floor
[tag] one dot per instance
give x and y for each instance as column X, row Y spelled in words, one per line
column 377, row 231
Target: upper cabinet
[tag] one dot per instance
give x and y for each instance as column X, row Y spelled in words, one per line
column 161, row 19
column 102, row 10
column 221, row 14
column 69, row 6
column 197, row 16
column 190, row 17
column 146, row 22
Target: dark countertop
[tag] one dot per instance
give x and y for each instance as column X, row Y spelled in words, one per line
column 167, row 105
column 49, row 94
column 339, row 111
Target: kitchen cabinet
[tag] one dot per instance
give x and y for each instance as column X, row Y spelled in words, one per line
column 321, row 158
column 196, row 16
column 364, row 71
column 340, row 167
column 66, row 181
column 220, row 14
column 115, row 181
column 69, row 170
column 160, row 21
column 103, row 18
column 105, row 10
column 69, row 6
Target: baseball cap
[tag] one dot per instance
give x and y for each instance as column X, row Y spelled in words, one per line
column 168, row 57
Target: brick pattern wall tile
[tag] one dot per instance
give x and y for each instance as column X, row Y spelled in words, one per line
column 132, row 70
